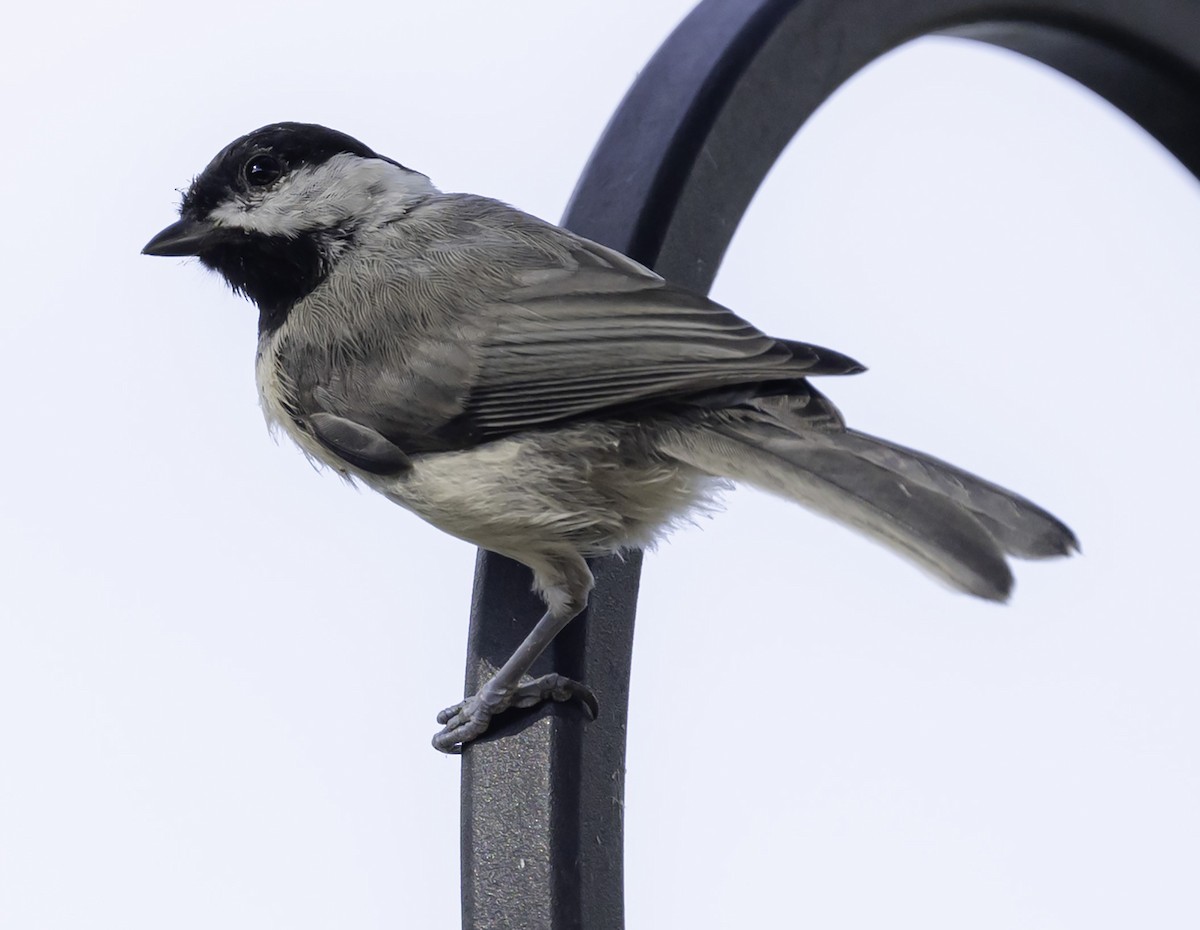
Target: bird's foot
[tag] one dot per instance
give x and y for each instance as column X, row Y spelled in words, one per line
column 469, row 719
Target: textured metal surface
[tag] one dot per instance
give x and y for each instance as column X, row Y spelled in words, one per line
column 668, row 183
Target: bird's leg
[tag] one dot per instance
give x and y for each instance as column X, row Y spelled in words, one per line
column 566, row 596
column 470, row 718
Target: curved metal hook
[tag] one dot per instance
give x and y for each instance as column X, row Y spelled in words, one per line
column 668, row 184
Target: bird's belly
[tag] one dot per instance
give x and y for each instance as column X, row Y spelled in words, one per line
column 592, row 488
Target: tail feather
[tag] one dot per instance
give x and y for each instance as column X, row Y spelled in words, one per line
column 1021, row 527
column 954, row 525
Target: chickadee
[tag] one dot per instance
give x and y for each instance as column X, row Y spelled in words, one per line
column 540, row 395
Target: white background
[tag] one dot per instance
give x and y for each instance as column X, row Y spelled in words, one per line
column 219, row 668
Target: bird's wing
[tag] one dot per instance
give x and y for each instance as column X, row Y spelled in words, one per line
column 607, row 333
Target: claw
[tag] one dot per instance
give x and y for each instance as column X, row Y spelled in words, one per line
column 470, row 718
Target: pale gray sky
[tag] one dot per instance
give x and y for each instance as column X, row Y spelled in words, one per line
column 219, row 669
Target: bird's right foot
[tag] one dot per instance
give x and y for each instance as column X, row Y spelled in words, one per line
column 470, row 718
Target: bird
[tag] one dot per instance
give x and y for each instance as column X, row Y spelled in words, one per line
column 543, row 396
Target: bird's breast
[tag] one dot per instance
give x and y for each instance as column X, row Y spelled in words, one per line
column 280, row 402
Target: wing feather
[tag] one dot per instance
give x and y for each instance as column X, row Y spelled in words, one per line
column 609, row 333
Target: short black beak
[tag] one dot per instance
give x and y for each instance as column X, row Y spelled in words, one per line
column 187, row 237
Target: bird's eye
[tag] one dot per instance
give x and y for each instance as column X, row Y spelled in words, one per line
column 262, row 169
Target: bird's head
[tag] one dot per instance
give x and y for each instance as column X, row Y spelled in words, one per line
column 275, row 209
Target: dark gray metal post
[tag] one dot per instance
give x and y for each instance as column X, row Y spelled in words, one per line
column 542, row 824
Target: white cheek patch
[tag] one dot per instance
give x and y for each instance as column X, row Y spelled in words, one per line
column 325, row 196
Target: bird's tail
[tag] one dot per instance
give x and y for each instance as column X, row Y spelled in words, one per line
column 949, row 522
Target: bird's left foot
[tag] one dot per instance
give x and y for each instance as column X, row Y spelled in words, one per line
column 469, row 719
